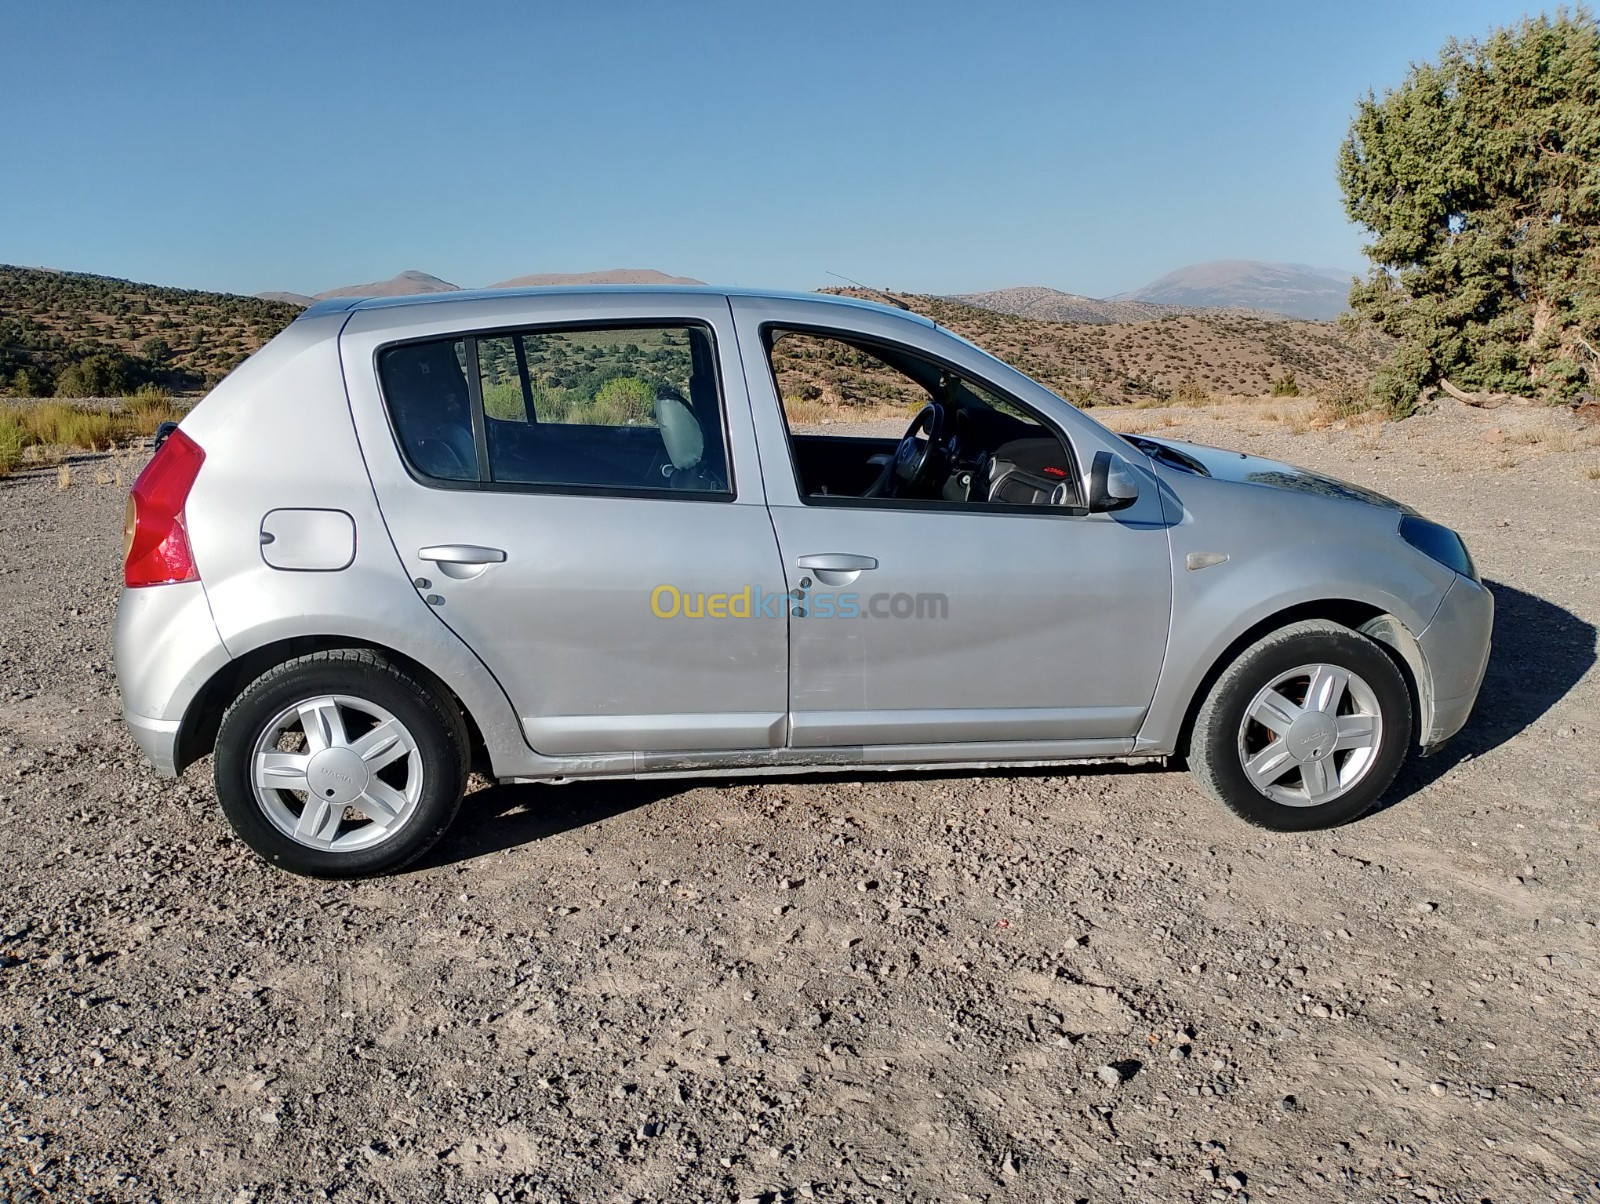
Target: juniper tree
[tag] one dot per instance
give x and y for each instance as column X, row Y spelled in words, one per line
column 1479, row 177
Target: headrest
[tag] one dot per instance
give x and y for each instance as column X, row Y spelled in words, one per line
column 686, row 442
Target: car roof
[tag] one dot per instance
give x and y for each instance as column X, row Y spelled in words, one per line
column 335, row 305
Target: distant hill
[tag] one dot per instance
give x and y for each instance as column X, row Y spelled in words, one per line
column 296, row 299
column 1318, row 294
column 406, row 284
column 1051, row 305
column 1214, row 351
column 114, row 335
column 613, row 276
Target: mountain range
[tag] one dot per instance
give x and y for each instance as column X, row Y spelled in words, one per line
column 1286, row 289
column 1319, row 294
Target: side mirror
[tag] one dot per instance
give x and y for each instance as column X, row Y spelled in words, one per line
column 162, row 431
column 1112, row 485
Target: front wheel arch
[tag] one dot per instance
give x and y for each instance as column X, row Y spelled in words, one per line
column 1384, row 629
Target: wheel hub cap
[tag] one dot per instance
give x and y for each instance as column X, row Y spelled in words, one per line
column 337, row 775
column 1311, row 737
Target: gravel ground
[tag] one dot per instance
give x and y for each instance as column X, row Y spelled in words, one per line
column 1030, row 986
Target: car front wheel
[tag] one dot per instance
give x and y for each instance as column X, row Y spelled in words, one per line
column 341, row 764
column 1306, row 729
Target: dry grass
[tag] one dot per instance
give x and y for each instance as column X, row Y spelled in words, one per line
column 1133, row 421
column 1349, row 405
column 13, row 438
column 43, row 430
column 64, row 477
column 803, row 411
column 57, row 425
column 1549, row 433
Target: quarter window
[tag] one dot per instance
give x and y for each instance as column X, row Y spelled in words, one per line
column 613, row 409
column 426, row 387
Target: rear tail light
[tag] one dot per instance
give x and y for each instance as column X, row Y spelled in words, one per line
column 155, row 547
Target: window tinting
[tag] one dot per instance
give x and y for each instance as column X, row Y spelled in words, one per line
column 625, row 409
column 426, row 387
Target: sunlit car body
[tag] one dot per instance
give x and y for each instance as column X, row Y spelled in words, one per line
column 479, row 510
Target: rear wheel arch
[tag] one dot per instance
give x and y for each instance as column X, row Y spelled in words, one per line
column 1362, row 617
column 197, row 735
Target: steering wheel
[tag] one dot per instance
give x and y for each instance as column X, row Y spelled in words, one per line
column 917, row 462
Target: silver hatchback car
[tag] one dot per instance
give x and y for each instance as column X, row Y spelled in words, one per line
column 557, row 534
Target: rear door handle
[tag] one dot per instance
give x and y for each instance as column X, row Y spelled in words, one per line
column 461, row 553
column 837, row 562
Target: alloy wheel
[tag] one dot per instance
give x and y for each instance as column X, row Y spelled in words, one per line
column 336, row 772
column 1311, row 735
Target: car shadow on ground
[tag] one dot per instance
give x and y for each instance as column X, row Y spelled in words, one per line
column 505, row 816
column 1540, row 652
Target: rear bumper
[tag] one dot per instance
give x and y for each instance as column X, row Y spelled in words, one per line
column 158, row 740
column 166, row 649
column 1455, row 647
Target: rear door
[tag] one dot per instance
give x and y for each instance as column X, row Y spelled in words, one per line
column 575, row 494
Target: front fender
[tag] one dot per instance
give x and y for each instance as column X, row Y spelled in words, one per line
column 1287, row 554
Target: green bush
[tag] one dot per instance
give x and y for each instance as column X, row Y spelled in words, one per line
column 1346, row 402
column 103, row 374
column 623, row 401
column 503, row 400
column 30, row 383
column 1401, row 379
column 1286, row 385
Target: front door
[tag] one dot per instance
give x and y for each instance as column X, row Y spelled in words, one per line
column 949, row 618
column 580, row 504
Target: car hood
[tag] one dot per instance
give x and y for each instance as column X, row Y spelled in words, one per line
column 1222, row 465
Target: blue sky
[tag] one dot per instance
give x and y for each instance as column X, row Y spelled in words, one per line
column 921, row 146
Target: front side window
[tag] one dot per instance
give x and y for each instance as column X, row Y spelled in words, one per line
column 874, row 422
column 623, row 409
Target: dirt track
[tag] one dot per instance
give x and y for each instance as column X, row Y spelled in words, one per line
column 902, row 988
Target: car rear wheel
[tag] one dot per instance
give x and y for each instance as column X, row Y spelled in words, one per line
column 1306, row 729
column 341, row 764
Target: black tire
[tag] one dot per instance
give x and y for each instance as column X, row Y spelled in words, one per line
column 1214, row 754
column 433, row 722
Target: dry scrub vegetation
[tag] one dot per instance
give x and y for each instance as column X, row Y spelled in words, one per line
column 1177, row 355
column 43, row 431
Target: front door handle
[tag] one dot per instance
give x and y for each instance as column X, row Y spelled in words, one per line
column 461, row 553
column 837, row 562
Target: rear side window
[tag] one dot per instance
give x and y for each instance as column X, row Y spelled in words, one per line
column 625, row 410
column 425, row 385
